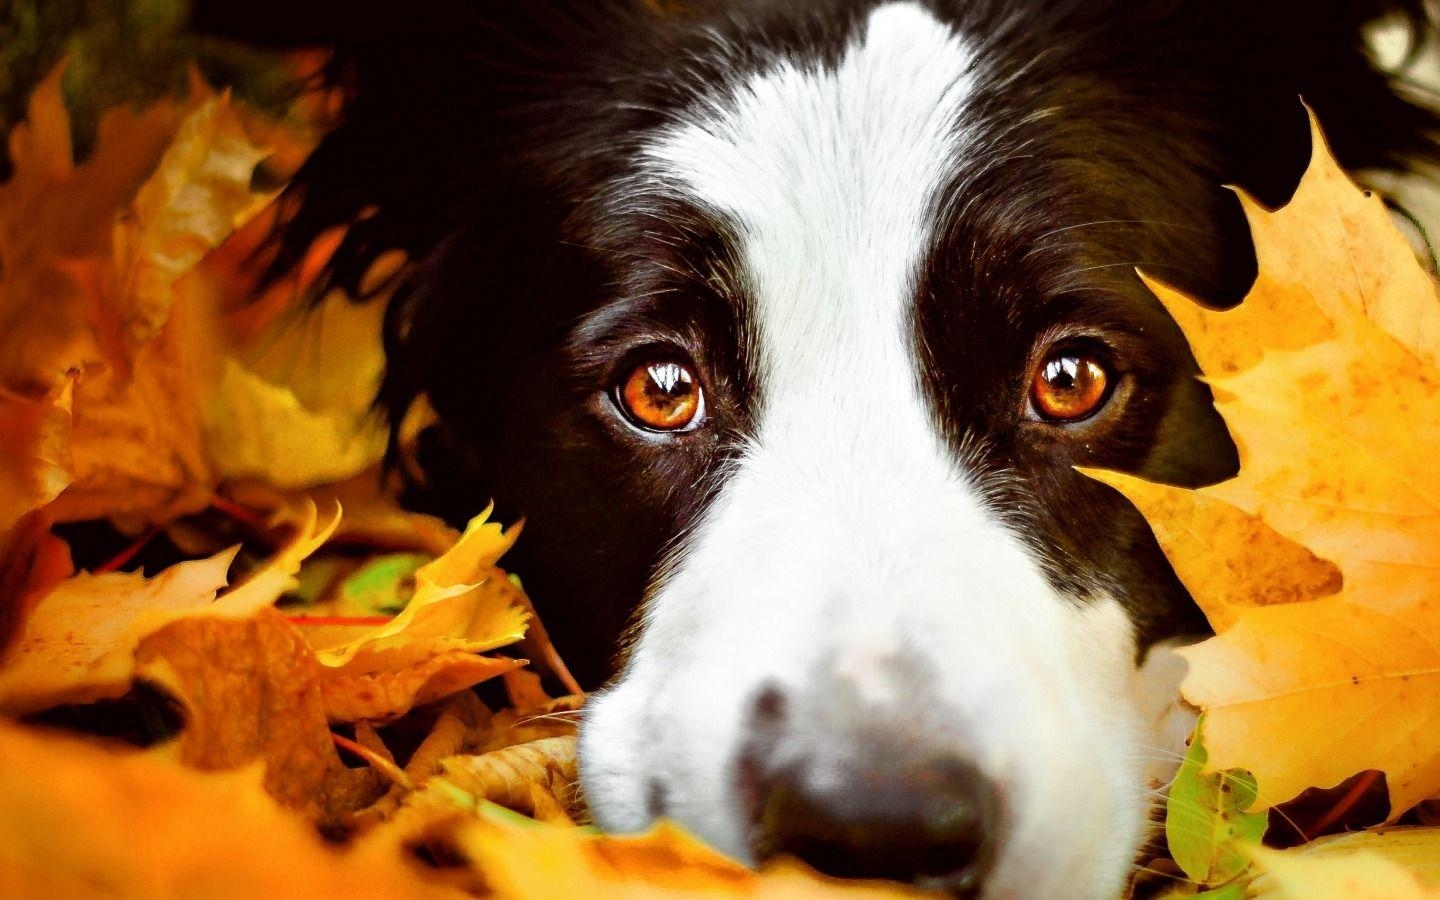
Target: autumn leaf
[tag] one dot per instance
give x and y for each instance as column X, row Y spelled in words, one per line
column 78, row 643
column 533, row 777
column 522, row 859
column 1359, row 876
column 249, row 689
column 1326, row 375
column 33, row 562
column 198, row 195
column 1415, row 850
column 80, row 821
column 53, row 214
column 102, row 284
column 463, row 606
column 34, row 451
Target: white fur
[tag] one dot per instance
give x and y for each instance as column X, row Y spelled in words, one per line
column 849, row 535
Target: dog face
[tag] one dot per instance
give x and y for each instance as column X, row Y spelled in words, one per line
column 898, row 579
column 796, row 323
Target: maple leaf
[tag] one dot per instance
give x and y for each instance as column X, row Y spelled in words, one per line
column 250, row 690
column 463, row 605
column 88, row 259
column 1327, row 377
column 54, row 213
column 1363, row 875
column 78, row 643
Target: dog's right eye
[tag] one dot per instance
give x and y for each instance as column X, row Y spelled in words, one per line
column 662, row 395
column 1069, row 387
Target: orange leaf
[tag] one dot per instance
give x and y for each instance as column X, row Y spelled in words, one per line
column 78, row 644
column 85, row 822
column 1318, row 563
column 250, row 690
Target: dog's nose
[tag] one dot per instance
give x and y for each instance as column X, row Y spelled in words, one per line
column 933, row 824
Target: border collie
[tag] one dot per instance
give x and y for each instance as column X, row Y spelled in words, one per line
column 784, row 326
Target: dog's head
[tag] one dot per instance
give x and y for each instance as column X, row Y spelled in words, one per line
column 785, row 327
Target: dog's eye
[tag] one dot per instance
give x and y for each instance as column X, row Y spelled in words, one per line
column 1069, row 386
column 661, row 395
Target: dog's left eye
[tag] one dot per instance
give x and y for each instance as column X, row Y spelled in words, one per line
column 1069, row 386
column 662, row 395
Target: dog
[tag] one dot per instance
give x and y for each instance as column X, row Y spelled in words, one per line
column 784, row 326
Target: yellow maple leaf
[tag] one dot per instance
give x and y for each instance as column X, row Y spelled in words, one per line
column 1406, row 857
column 463, row 605
column 1317, row 564
column 78, row 643
column 1362, row 875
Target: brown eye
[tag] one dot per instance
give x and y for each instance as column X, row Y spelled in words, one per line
column 1069, row 386
column 661, row 395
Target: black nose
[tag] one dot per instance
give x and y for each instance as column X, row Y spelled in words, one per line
column 933, row 824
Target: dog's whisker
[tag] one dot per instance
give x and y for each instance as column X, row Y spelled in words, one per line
column 1160, row 223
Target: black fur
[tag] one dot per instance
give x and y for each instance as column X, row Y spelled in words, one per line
column 483, row 139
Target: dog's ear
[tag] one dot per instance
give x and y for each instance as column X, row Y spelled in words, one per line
column 1272, row 53
column 469, row 132
column 444, row 97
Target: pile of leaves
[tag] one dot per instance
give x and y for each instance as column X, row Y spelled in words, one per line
column 267, row 676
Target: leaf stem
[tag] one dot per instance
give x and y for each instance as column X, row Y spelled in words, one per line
column 376, row 761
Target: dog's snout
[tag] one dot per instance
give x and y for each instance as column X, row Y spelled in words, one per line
column 933, row 824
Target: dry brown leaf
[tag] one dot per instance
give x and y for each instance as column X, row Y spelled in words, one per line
column 1326, row 375
column 513, row 726
column 537, row 778
column 250, row 690
column 35, row 461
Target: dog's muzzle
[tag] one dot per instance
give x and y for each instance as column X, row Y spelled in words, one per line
column 867, row 802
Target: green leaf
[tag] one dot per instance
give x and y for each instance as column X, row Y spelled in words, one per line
column 382, row 585
column 1228, row 892
column 1205, row 819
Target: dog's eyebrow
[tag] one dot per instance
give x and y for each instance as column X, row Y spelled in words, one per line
column 672, row 266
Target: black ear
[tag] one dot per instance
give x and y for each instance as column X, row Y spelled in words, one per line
column 469, row 131
column 444, row 97
column 1272, row 52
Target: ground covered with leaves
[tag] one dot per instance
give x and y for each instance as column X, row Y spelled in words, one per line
column 232, row 663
